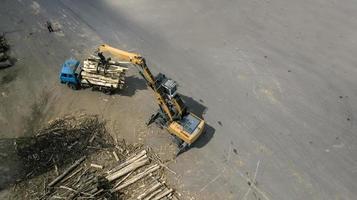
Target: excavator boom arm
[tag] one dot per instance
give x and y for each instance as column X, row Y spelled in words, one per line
column 138, row 60
column 134, row 58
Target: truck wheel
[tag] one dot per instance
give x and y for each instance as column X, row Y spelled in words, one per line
column 160, row 122
column 108, row 92
column 73, row 86
column 184, row 147
column 177, row 141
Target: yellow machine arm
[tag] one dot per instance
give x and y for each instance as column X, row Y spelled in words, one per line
column 137, row 59
column 134, row 58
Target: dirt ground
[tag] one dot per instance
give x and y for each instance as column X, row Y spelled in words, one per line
column 275, row 79
column 31, row 93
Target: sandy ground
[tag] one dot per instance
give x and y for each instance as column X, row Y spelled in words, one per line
column 276, row 81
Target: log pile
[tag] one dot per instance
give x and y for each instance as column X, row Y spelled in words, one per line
column 78, row 182
column 116, row 170
column 120, row 181
column 139, row 168
column 109, row 74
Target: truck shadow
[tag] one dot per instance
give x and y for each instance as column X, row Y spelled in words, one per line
column 132, row 85
column 200, row 110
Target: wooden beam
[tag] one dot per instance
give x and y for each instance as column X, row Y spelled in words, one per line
column 67, row 171
column 127, row 169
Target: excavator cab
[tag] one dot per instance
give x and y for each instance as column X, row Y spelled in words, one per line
column 170, row 88
column 166, row 86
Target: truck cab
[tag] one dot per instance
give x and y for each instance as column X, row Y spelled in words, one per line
column 68, row 73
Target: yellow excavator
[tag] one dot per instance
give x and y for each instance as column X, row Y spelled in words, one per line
column 172, row 114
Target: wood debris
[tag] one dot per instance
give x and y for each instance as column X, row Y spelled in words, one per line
column 67, row 171
column 96, row 166
column 136, row 173
column 116, row 156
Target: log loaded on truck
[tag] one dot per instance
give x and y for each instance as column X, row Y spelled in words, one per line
column 173, row 114
column 96, row 72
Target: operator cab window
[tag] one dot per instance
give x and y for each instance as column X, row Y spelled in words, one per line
column 189, row 123
column 170, row 87
column 173, row 90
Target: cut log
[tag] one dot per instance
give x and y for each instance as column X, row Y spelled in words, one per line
column 96, row 166
column 128, row 161
column 174, row 197
column 123, row 179
column 70, row 176
column 149, row 191
column 115, row 156
column 137, row 177
column 166, row 167
column 111, row 77
column 163, row 194
column 100, row 77
column 127, row 169
column 106, row 74
column 110, row 69
column 91, row 82
column 111, row 62
column 114, row 67
column 67, row 171
column 68, row 188
column 153, row 194
column 144, row 157
column 101, row 82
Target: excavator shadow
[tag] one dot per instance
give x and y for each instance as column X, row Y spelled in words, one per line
column 200, row 110
column 132, row 85
column 205, row 137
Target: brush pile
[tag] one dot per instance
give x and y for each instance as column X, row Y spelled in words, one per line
column 89, row 164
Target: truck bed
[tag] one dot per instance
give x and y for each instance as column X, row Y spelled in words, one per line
column 113, row 76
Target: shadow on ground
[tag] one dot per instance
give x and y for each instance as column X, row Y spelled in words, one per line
column 7, row 76
column 57, row 145
column 132, row 84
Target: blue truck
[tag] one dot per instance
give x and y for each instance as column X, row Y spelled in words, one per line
column 69, row 74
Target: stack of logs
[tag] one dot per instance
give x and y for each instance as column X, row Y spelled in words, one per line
column 111, row 74
column 4, row 57
column 156, row 191
column 93, row 182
